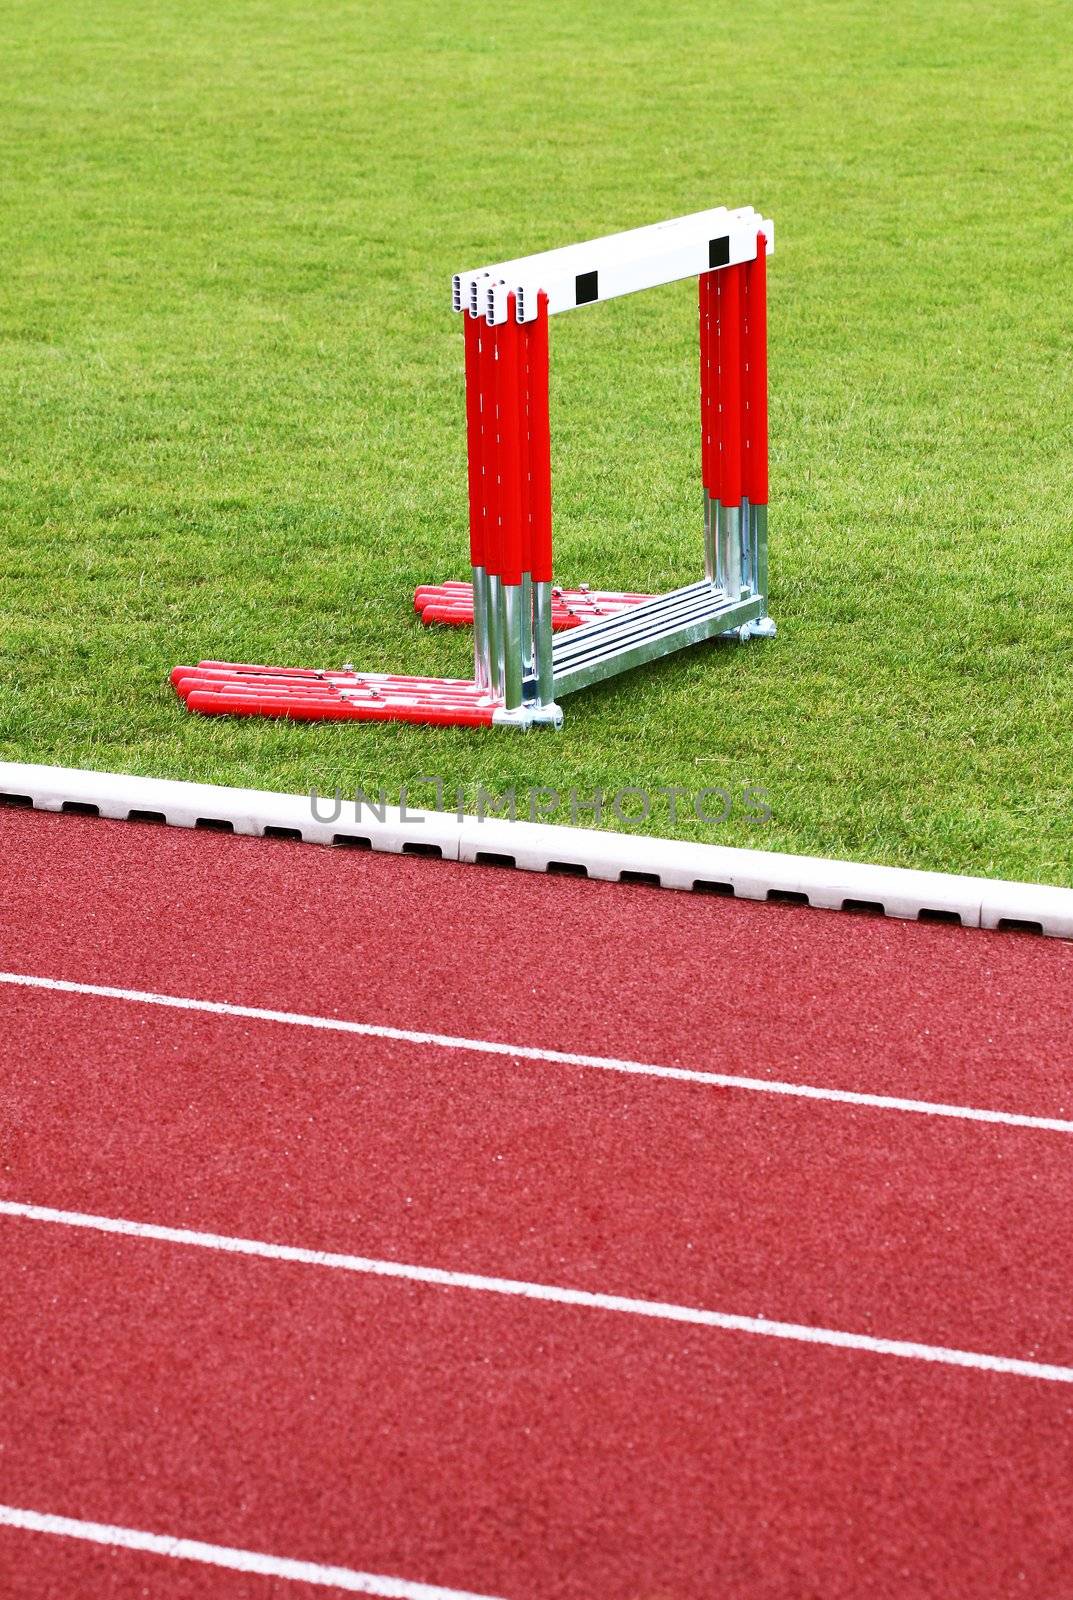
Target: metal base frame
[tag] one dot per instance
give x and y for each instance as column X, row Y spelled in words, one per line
column 658, row 628
column 730, row 601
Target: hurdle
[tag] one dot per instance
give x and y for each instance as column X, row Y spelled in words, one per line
column 534, row 643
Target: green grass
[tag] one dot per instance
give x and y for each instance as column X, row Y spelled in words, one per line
column 231, row 407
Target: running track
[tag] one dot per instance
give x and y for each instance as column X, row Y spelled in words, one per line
column 581, row 1328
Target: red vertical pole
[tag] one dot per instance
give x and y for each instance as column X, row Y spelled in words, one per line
column 711, row 304
column 525, row 421
column 539, row 444
column 746, row 398
column 730, row 387
column 756, row 486
column 704, row 297
column 493, row 450
column 510, row 445
column 480, row 424
column 475, row 422
column 718, row 312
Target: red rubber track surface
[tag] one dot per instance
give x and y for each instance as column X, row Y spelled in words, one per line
column 517, row 1448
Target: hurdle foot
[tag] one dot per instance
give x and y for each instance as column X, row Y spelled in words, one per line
column 761, row 628
column 525, row 717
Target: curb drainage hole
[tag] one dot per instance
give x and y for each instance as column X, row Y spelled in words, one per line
column 489, row 858
column 352, row 841
column 652, row 879
column 567, row 869
column 431, row 851
column 215, row 824
column 16, row 800
column 709, row 886
column 1018, row 925
column 788, row 897
column 146, row 816
column 80, row 808
column 283, row 833
column 867, row 908
column 932, row 914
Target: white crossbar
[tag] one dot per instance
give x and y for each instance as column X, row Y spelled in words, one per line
column 619, row 264
column 631, row 239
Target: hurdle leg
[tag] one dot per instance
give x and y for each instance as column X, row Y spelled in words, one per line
column 756, row 466
column 745, row 554
column 511, row 401
column 760, row 550
column 482, row 654
column 544, row 663
column 748, row 575
column 705, row 407
column 709, row 294
column 478, row 399
column 540, row 526
column 490, row 337
column 494, row 613
column 709, row 539
column 487, row 651
column 513, row 678
column 527, row 628
column 524, row 424
column 728, row 543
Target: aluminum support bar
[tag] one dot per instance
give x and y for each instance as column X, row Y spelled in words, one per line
column 694, row 598
column 510, row 601
column 716, row 619
column 544, row 644
column 759, row 514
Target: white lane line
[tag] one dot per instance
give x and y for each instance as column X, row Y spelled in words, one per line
column 220, row 1555
column 448, row 1041
column 663, row 1311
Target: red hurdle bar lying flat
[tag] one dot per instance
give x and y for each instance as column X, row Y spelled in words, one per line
column 305, row 695
column 451, row 605
column 534, row 643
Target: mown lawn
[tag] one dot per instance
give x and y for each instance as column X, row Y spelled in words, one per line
column 231, row 405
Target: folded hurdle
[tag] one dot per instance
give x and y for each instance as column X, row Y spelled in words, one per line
column 521, row 667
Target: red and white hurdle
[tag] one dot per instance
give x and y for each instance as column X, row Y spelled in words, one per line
column 521, row 670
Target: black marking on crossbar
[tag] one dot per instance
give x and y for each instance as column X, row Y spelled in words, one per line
column 719, row 252
column 586, row 288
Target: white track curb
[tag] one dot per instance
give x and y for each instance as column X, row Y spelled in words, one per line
column 535, row 847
